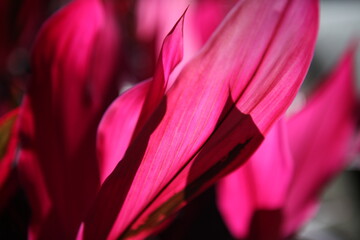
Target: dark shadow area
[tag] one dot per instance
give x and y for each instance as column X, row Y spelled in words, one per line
column 265, row 225
column 200, row 219
column 14, row 210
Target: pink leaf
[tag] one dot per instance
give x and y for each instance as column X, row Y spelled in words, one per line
column 73, row 82
column 213, row 117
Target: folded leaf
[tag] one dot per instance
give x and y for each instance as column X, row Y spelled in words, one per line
column 134, row 107
column 213, row 117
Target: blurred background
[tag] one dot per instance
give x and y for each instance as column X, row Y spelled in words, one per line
column 338, row 217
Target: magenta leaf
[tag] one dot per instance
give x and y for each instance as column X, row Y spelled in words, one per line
column 73, row 82
column 212, row 118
